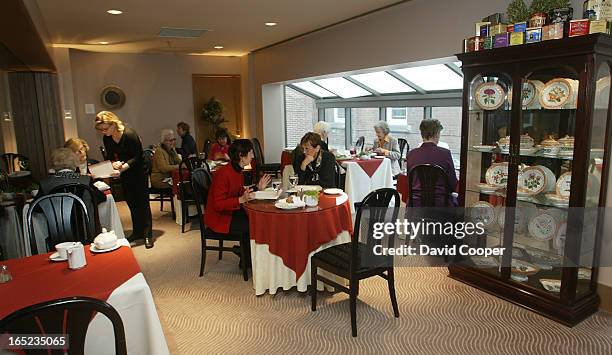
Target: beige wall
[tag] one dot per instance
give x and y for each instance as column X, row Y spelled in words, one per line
column 158, row 89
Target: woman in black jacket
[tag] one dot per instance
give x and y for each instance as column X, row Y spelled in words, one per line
column 124, row 149
column 317, row 166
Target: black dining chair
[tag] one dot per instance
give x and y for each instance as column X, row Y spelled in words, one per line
column 87, row 194
column 201, row 180
column 65, row 316
column 161, row 194
column 354, row 261
column 429, row 176
column 184, row 186
column 360, row 144
column 66, row 218
column 262, row 167
column 206, row 148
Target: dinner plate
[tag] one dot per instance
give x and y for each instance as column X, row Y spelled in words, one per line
column 490, row 96
column 563, row 185
column 532, row 180
column 483, row 212
column 551, row 285
column 55, row 257
column 283, row 205
column 556, row 93
column 93, row 248
column 333, row 191
column 497, row 174
column 543, row 227
column 265, row 195
column 379, row 157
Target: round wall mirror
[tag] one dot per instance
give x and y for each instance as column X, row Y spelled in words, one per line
column 112, row 97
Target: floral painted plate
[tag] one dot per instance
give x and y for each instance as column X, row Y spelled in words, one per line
column 497, row 174
column 563, row 185
column 551, row 285
column 523, row 267
column 490, row 96
column 543, row 226
column 532, row 180
column 483, row 212
column 556, row 93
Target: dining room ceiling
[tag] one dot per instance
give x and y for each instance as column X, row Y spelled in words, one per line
column 237, row 25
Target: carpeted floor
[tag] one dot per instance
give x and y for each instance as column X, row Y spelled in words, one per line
column 219, row 313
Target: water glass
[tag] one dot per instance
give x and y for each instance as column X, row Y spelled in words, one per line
column 5, row 275
column 276, row 184
column 293, row 179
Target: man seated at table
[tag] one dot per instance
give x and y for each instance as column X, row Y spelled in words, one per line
column 430, row 153
column 165, row 161
column 317, row 165
column 188, row 145
column 224, row 212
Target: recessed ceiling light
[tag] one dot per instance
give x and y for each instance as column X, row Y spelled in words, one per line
column 218, row 47
column 114, row 12
column 103, row 42
column 270, row 24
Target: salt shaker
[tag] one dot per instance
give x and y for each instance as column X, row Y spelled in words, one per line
column 5, row 275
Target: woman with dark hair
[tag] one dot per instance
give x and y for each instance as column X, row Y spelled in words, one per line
column 224, row 213
column 220, row 150
column 317, row 166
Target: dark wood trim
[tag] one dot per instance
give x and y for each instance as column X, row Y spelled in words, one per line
column 605, row 295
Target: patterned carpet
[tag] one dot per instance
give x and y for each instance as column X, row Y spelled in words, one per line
column 220, row 314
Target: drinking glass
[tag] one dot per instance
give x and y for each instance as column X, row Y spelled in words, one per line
column 353, row 151
column 293, row 179
column 276, row 184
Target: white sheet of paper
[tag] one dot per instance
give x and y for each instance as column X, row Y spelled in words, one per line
column 102, row 170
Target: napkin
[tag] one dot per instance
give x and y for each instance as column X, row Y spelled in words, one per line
column 101, row 185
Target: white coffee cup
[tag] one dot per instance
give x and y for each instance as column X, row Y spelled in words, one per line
column 76, row 256
column 62, row 249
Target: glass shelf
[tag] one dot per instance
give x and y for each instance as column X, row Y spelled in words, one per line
column 533, row 155
column 538, row 200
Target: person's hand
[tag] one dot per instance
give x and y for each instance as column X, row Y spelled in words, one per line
column 245, row 196
column 379, row 151
column 117, row 165
column 226, row 157
column 307, row 160
column 124, row 167
column 263, row 182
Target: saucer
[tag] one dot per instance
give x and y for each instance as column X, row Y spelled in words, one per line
column 93, row 248
column 55, row 257
column 332, row 191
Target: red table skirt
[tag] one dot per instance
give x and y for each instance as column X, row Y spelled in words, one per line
column 402, row 186
column 36, row 279
column 369, row 166
column 294, row 235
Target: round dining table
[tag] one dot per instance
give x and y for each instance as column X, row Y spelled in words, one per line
column 283, row 241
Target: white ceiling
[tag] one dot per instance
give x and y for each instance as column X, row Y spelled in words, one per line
column 238, row 25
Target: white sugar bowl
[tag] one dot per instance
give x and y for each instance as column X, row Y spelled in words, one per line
column 105, row 240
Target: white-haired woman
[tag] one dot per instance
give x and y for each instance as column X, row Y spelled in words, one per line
column 165, row 160
column 387, row 145
column 322, row 128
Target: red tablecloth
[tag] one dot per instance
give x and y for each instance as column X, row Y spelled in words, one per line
column 36, row 279
column 369, row 166
column 294, row 234
column 402, row 186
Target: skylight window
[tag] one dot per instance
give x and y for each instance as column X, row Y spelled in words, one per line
column 313, row 89
column 343, row 87
column 382, row 82
column 432, row 77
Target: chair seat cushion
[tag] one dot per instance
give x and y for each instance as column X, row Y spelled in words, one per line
column 339, row 256
column 156, row 190
column 211, row 234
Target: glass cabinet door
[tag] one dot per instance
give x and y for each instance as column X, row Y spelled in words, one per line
column 545, row 162
column 486, row 166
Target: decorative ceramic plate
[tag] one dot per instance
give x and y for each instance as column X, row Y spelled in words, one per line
column 543, row 226
column 524, row 268
column 563, row 185
column 551, row 285
column 532, row 180
column 497, row 174
column 551, row 178
column 485, row 261
column 519, row 220
column 483, row 212
column 487, row 189
column 556, row 93
column 558, row 201
column 490, row 96
column 531, row 91
column 484, row 148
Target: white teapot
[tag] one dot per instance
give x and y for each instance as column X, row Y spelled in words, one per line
column 76, row 256
column 105, row 240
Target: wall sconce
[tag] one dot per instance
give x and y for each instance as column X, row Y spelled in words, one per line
column 67, row 114
column 6, row 116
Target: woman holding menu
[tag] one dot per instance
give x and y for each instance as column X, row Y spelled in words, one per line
column 124, row 149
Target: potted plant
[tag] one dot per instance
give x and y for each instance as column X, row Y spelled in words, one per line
column 212, row 113
column 517, row 11
column 562, row 11
column 557, row 10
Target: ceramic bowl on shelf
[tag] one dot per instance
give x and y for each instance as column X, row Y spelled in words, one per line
column 484, row 148
column 563, row 185
column 497, row 174
column 543, row 226
column 529, row 151
column 566, row 147
column 504, row 144
column 556, row 93
column 490, row 96
column 526, row 141
column 550, row 147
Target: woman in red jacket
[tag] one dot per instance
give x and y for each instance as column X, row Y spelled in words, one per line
column 224, row 213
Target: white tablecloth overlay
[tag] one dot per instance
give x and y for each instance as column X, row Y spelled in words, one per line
column 269, row 272
column 109, row 219
column 358, row 184
column 178, row 209
column 143, row 331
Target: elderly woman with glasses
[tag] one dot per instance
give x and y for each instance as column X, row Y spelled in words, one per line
column 386, row 145
column 124, row 149
column 165, row 160
column 317, row 165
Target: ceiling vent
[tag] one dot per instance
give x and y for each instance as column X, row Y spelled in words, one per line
column 173, row 32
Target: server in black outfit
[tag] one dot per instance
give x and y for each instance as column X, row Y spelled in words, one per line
column 124, row 149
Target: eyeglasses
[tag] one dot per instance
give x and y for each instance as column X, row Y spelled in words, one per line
column 103, row 129
column 170, row 140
